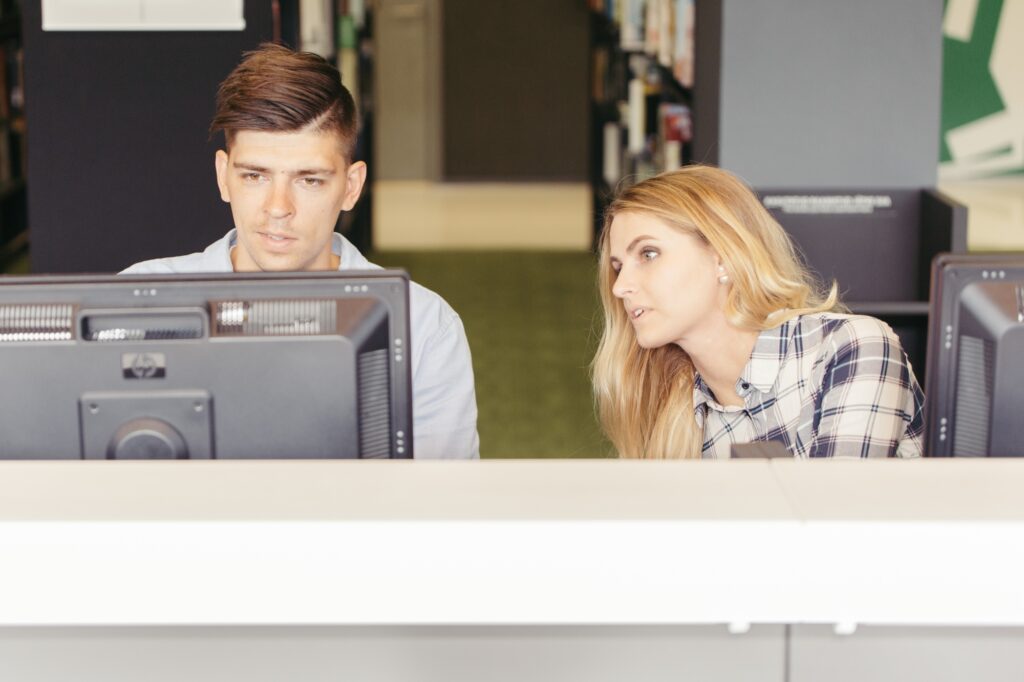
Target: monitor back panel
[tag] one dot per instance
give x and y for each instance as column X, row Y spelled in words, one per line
column 256, row 367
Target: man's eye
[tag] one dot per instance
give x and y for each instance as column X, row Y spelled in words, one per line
column 312, row 182
column 250, row 177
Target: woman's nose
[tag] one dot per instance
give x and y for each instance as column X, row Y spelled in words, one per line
column 623, row 284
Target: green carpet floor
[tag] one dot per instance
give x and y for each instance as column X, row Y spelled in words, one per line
column 531, row 319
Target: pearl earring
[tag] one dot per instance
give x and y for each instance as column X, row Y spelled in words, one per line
column 722, row 277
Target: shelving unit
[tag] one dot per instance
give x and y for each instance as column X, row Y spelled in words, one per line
column 641, row 108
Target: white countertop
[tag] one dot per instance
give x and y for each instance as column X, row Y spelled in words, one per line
column 512, row 541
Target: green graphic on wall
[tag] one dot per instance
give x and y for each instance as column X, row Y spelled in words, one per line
column 983, row 89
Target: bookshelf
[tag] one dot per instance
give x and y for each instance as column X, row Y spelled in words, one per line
column 642, row 96
column 13, row 224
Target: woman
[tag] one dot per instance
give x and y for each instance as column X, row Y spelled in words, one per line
column 715, row 333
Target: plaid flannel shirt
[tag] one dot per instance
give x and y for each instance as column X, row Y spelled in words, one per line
column 824, row 385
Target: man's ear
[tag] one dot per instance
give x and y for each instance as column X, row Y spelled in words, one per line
column 355, row 177
column 220, row 162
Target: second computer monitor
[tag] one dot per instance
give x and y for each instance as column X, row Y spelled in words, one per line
column 974, row 382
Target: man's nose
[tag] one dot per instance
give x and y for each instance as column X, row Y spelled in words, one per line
column 279, row 202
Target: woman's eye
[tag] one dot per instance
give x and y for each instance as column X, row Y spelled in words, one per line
column 648, row 254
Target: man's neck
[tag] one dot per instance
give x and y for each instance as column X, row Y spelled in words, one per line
column 334, row 263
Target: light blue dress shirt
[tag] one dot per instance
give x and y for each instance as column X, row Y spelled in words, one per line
column 444, row 396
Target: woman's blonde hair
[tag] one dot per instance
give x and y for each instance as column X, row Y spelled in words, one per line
column 645, row 396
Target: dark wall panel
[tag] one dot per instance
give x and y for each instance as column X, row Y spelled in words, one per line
column 515, row 89
column 119, row 165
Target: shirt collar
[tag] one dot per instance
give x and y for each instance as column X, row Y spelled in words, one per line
column 761, row 370
column 770, row 349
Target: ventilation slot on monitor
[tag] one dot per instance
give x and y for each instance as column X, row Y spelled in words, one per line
column 20, row 323
column 131, row 334
column 275, row 318
column 973, row 397
column 374, row 404
column 141, row 325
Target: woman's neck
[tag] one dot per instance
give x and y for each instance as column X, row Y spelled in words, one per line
column 719, row 354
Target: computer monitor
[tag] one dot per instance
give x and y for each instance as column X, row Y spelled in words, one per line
column 211, row 366
column 974, row 382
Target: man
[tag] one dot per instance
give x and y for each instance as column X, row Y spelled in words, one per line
column 290, row 129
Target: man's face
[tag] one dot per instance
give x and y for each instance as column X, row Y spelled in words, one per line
column 286, row 191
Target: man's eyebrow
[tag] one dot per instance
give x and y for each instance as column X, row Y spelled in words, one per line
column 312, row 171
column 302, row 172
column 250, row 166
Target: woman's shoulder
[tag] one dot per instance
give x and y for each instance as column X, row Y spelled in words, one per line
column 839, row 331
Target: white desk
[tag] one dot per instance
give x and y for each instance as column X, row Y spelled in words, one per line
column 545, row 544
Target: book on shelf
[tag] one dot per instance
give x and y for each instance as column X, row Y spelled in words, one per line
column 683, row 48
column 316, row 27
column 5, row 99
column 348, row 54
column 659, row 33
column 14, row 70
column 675, row 129
column 631, row 25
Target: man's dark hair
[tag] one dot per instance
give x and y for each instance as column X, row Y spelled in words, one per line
column 276, row 89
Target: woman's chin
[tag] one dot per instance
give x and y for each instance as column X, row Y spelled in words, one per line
column 647, row 343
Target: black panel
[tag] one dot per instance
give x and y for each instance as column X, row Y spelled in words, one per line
column 120, row 166
column 707, row 81
column 872, row 254
column 515, row 89
column 943, row 230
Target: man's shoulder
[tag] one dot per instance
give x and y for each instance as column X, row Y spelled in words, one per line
column 428, row 309
column 192, row 262
column 215, row 258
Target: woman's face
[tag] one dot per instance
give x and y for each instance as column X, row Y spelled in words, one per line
column 666, row 279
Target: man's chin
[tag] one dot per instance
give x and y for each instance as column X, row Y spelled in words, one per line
column 277, row 263
column 260, row 261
